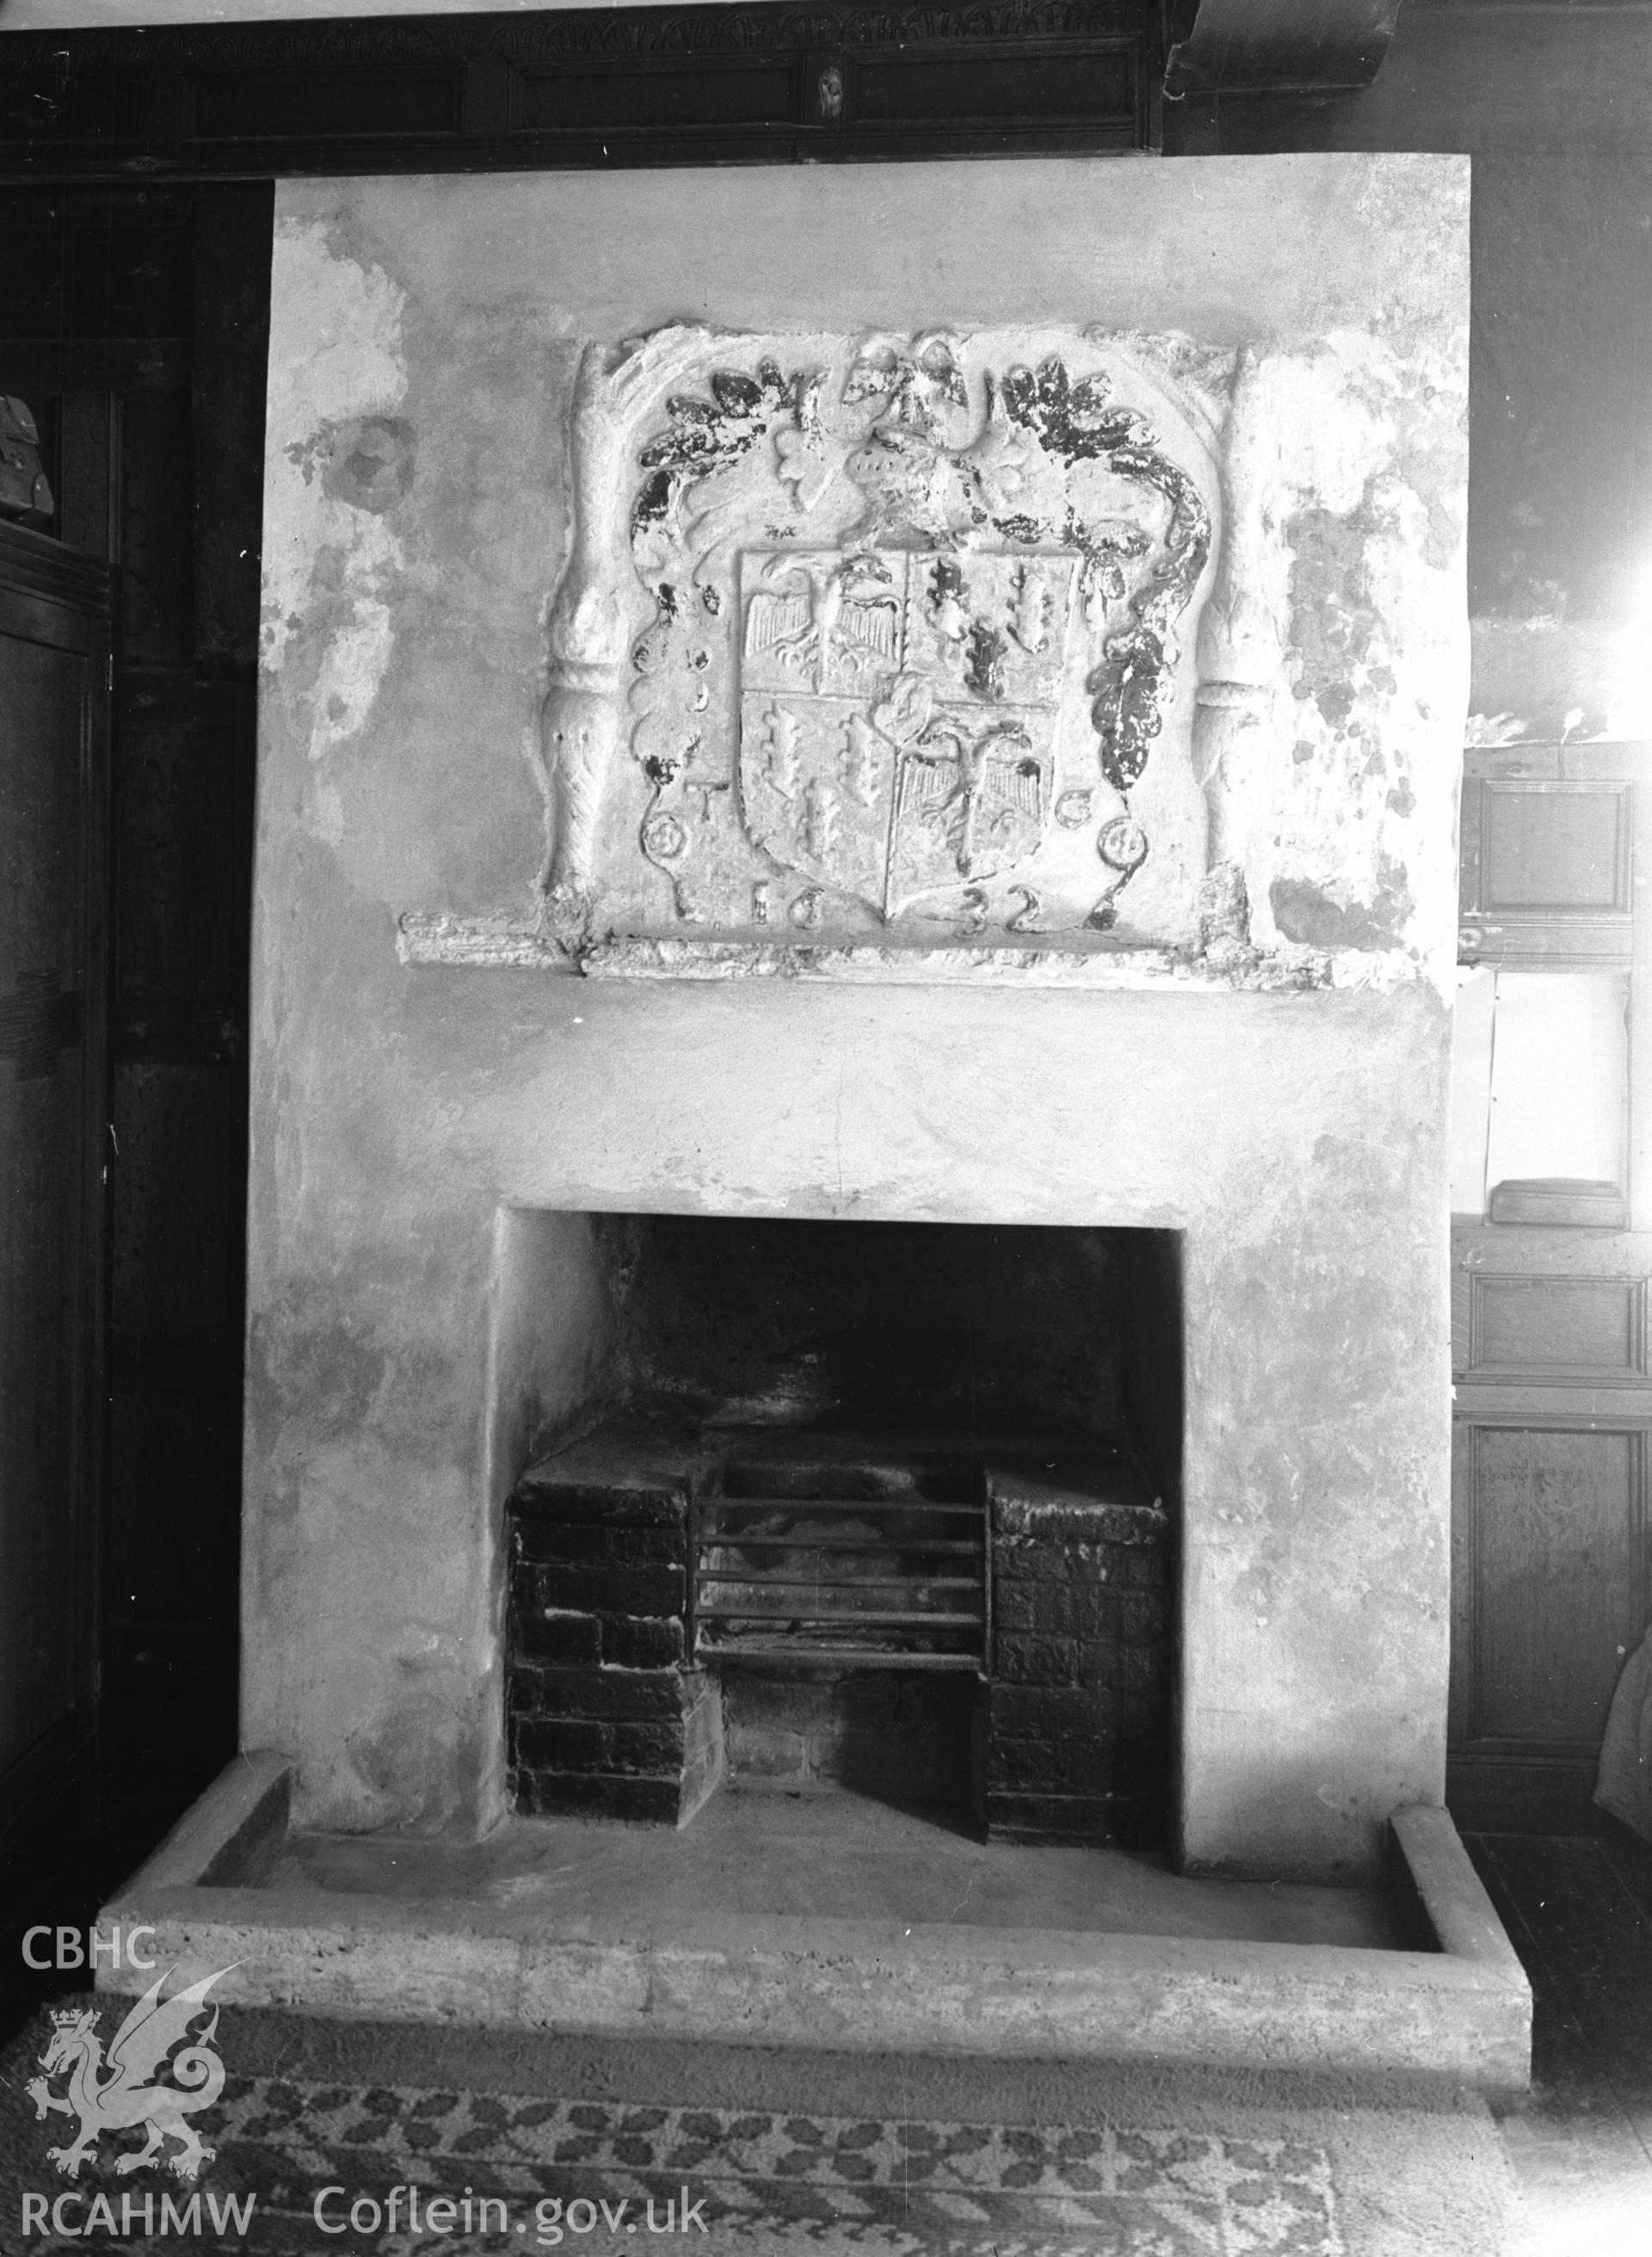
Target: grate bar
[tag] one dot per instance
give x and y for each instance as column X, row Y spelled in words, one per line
column 864, row 1657
column 911, row 1575
column 736, row 1539
column 853, row 1617
column 839, row 1505
column 749, row 1577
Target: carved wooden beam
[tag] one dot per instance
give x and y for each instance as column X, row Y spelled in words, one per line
column 1277, row 47
column 607, row 87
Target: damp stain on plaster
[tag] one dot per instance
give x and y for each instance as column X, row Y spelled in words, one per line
column 1345, row 534
column 325, row 1370
column 369, row 461
column 1310, row 914
column 1336, row 633
column 339, row 463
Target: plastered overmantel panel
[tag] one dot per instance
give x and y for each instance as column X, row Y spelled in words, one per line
column 1260, row 1064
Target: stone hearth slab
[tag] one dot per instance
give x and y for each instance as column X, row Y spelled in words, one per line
column 760, row 1852
column 222, row 1893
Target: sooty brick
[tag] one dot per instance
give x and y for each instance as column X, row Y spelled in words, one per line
column 1029, row 1658
column 628, row 1695
column 641, row 1642
column 557, row 1794
column 550, row 1635
column 653, row 1749
column 601, row 1543
column 589, row 1589
column 561, row 1744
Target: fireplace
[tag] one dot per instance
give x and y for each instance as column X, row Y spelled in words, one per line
column 877, row 1507
column 910, row 711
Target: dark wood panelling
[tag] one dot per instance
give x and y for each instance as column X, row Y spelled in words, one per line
column 178, row 1450
column 178, row 920
column 1522, row 1798
column 174, row 1285
column 1556, row 1567
column 761, row 84
column 315, row 105
column 97, row 271
column 1552, row 1588
column 230, row 348
column 87, row 440
column 157, row 568
column 1098, row 83
column 1552, row 1556
column 54, row 640
column 1545, row 871
column 624, row 96
column 1553, row 846
column 1562, row 1328
column 40, row 1099
column 185, row 839
column 142, row 326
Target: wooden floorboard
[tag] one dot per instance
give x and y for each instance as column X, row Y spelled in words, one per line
column 1578, row 1912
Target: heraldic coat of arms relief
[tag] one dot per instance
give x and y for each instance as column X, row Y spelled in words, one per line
column 909, row 652
column 883, row 753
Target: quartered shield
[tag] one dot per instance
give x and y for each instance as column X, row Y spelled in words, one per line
column 898, row 713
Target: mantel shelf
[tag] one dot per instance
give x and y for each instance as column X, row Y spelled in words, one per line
column 426, row 939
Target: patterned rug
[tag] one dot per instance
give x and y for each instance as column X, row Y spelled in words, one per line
column 300, row 2164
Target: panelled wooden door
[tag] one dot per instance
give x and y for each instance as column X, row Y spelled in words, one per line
column 1551, row 1538
column 54, row 709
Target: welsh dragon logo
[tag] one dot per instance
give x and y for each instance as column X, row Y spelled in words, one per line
column 121, row 2094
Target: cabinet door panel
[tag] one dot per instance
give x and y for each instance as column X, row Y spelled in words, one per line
column 1556, row 1546
column 1555, row 847
column 1573, row 1327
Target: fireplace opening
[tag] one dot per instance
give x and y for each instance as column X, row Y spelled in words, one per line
column 880, row 1508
